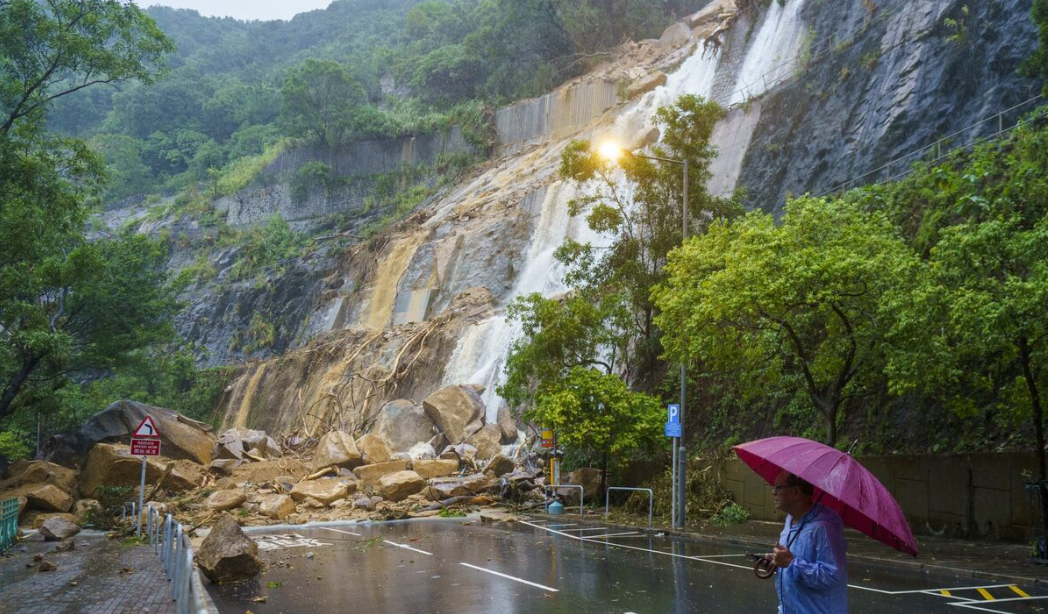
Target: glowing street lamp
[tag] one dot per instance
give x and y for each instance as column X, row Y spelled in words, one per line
column 611, row 151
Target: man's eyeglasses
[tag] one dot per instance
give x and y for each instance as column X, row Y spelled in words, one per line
column 777, row 489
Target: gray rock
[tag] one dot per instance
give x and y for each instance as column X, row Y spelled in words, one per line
column 336, row 449
column 227, row 555
column 223, row 500
column 458, row 411
column 403, row 424
column 507, row 425
column 499, row 465
column 399, row 486
column 57, row 529
column 486, row 441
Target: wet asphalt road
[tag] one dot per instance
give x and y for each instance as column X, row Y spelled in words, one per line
column 451, row 566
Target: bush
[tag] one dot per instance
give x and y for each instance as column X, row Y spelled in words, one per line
column 732, row 513
column 111, row 500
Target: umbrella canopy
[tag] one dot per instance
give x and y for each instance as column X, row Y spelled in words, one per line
column 841, row 483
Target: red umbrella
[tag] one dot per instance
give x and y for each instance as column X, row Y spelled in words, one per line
column 842, row 483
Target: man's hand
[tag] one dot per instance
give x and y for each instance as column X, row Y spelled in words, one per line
column 781, row 556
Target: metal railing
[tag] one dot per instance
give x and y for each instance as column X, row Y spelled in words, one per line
column 8, row 523
column 582, row 494
column 171, row 543
column 651, row 500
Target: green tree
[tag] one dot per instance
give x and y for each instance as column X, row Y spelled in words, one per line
column 1036, row 66
column 319, row 100
column 641, row 212
column 52, row 49
column 797, row 307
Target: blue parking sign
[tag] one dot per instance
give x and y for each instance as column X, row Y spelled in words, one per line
column 673, row 429
column 673, row 414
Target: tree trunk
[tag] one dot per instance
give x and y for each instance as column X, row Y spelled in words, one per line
column 13, row 387
column 1035, row 404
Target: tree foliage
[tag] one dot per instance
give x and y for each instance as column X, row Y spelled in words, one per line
column 320, row 101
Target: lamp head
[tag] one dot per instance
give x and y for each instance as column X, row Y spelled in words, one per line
column 611, row 151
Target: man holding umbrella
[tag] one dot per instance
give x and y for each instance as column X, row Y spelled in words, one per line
column 810, row 555
column 821, row 489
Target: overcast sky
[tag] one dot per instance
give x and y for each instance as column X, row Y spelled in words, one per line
column 245, row 9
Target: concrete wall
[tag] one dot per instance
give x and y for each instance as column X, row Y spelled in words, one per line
column 963, row 495
column 555, row 115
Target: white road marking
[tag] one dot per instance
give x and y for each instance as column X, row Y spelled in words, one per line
column 338, row 531
column 717, row 556
column 502, row 575
column 592, row 529
column 588, row 537
column 408, row 547
column 971, row 605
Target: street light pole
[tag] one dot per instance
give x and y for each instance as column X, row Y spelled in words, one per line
column 612, row 151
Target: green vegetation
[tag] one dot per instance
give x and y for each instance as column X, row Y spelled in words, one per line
column 448, row 512
column 111, row 501
column 1037, row 64
column 732, row 513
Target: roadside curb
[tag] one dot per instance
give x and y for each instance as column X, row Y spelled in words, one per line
column 875, row 561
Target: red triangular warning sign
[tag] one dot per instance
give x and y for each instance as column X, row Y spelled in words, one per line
column 147, row 429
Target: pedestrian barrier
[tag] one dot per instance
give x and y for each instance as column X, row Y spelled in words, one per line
column 129, row 505
column 582, row 494
column 8, row 523
column 171, row 543
column 651, row 500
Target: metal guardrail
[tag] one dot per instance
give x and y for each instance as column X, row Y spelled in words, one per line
column 8, row 523
column 582, row 494
column 651, row 500
column 171, row 543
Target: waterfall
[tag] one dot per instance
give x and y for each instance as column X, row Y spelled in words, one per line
column 481, row 354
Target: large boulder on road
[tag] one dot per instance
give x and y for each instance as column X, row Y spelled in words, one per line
column 404, row 423
column 370, row 474
column 180, row 437
column 325, row 491
column 458, row 411
column 223, row 500
column 337, row 449
column 49, row 498
column 113, row 465
column 24, row 473
column 399, row 486
column 435, row 468
column 227, row 555
column 57, row 529
column 277, row 507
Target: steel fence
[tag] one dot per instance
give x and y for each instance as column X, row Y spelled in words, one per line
column 651, row 500
column 171, row 543
column 8, row 523
column 554, row 487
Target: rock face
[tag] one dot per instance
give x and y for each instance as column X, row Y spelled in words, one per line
column 646, row 84
column 336, row 449
column 374, row 448
column 486, row 441
column 227, row 555
column 277, row 507
column 436, row 468
column 325, row 491
column 223, row 500
column 507, row 426
column 403, row 424
column 458, row 412
column 399, row 486
column 180, row 437
column 57, row 529
column 113, row 465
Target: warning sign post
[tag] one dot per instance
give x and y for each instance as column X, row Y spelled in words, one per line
column 145, row 441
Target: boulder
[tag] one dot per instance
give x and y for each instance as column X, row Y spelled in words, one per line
column 478, row 483
column 399, row 486
column 226, row 554
column 113, row 465
column 57, row 529
column 499, row 466
column 24, row 473
column 374, row 448
column 289, row 469
column 323, row 490
column 336, row 449
column 36, row 519
column 587, row 477
column 370, row 474
column 403, row 424
column 436, row 468
column 458, row 411
column 462, row 451
column 507, row 426
column 180, row 437
column 646, row 84
column 85, row 507
column 363, row 502
column 224, row 500
column 421, row 450
column 277, row 507
column 49, row 498
column 224, row 466
column 486, row 441
column 237, row 443
column 676, row 36
column 23, row 504
column 450, row 487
